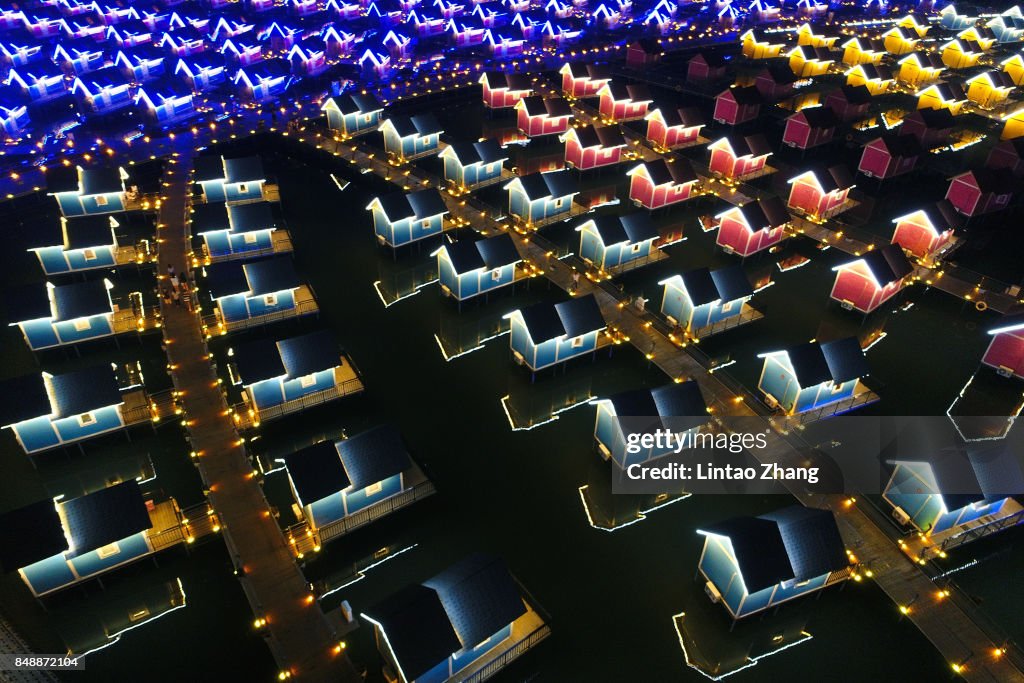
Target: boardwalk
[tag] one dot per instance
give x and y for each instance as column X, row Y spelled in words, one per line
column 299, row 636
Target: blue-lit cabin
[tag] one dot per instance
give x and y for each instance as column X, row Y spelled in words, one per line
column 334, row 480
column 43, row 83
column 468, row 268
column 13, row 121
column 753, row 563
column 184, row 42
column 242, row 54
column 375, row 64
column 702, row 297
column 76, row 244
column 141, row 64
column 165, row 101
column 244, row 292
column 202, row 72
column 56, row 544
column 948, row 493
column 951, row 20
column 812, row 375
column 230, row 180
column 18, row 54
column 81, row 191
column 470, row 163
column 613, row 241
column 426, row 23
column 76, row 8
column 352, row 114
column 399, row 46
column 117, row 13
column 232, row 231
column 46, row 411
column 60, row 315
column 264, row 81
column 400, row 218
column 89, row 27
column 545, row 334
column 337, row 41
column 228, row 29
column 278, row 37
column 308, row 58
column 80, row 57
column 102, row 91
column 45, row 23
column 678, row 407
column 541, row 196
column 430, row 632
column 409, row 137
column 130, row 35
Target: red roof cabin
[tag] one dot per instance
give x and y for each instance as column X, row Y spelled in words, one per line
column 658, row 183
column 537, row 116
column 872, row 279
column 753, row 227
column 850, row 102
column 821, row 192
column 705, row 67
column 889, row 156
column 590, row 147
column 738, row 156
column 583, row 80
column 926, row 232
column 734, row 106
column 502, row 90
column 1008, row 155
column 672, row 128
column 624, row 102
column 1005, row 352
column 980, row 191
column 810, row 127
column 931, row 127
column 775, row 82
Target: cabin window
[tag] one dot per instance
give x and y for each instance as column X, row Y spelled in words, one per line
column 270, row 299
column 86, row 419
column 727, row 306
column 307, row 381
column 800, row 584
column 558, row 202
column 577, row 342
column 250, row 238
column 81, row 325
column 108, row 550
column 89, row 254
column 101, row 200
column 425, row 224
column 496, row 274
column 373, row 489
column 635, row 248
column 243, row 188
column 836, row 386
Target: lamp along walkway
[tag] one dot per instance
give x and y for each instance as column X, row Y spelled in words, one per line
column 959, row 638
column 299, row 635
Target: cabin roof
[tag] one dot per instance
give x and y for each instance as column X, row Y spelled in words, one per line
column 210, row 217
column 812, row 541
column 81, row 299
column 704, row 286
column 417, row 629
column 81, row 391
column 633, row 92
column 818, row 117
column 244, row 169
column 671, row 400
column 351, row 103
column 759, row 551
column 208, row 167
column 853, row 94
column 988, row 180
column 464, row 255
column 258, row 360
column 678, row 171
column 81, row 232
column 250, row 217
column 493, row 252
column 634, row 228
column 553, row 184
column 732, row 282
column 103, row 180
column 271, row 275
column 308, row 353
column 831, row 178
column 374, row 455
column 713, row 59
column 28, row 302
column 592, row 71
column 943, row 216
column 571, row 318
column 502, row 79
column 937, row 119
column 30, row 534
column 105, row 516
column 479, row 596
column 62, row 179
column 416, row 205
column 903, row 145
column 481, row 152
column 316, row 472
column 778, row 74
column 887, row 264
column 743, row 94
column 23, row 398
column 753, row 145
column 682, row 116
column 836, row 361
column 769, row 212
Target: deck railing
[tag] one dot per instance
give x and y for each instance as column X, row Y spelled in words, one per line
column 505, row 658
column 347, row 387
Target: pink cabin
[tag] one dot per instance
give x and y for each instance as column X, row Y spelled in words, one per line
column 709, row 66
column 671, row 127
column 810, row 127
column 753, row 227
column 980, row 191
column 584, row 80
column 624, row 102
column 738, row 156
column 872, row 279
column 850, row 102
column 587, row 148
column 643, row 53
column 734, row 106
column 889, row 156
column 931, row 127
column 820, row 192
column 538, row 116
column 502, row 90
column 926, row 232
column 775, row 82
column 658, row 183
column 1005, row 352
column 1008, row 155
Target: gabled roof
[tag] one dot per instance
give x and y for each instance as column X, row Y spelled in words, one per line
column 250, row 217
column 553, row 107
column 900, row 145
column 713, row 58
column 82, row 232
column 264, row 276
column 85, row 390
column 23, row 398
column 948, row 91
column 817, row 117
column 308, row 353
column 935, row 119
column 745, row 95
column 634, row 92
column 704, row 286
column 592, row 71
column 103, row 180
column 681, row 400
column 351, row 103
column 758, row 549
column 812, row 541
column 687, row 117
column 743, row 145
column 886, row 265
column 417, row 205
column 633, row 228
column 30, row 534
column 81, row 299
column 769, row 212
column 210, row 217
column 874, row 72
column 511, row 81
column 316, row 472
column 852, row 94
column 374, row 455
column 417, row 628
column 943, row 216
column 421, row 124
column 493, row 252
column 257, row 361
column 604, row 136
column 105, row 516
column 208, row 167
column 830, row 179
column 482, row 152
column 988, row 180
column 244, row 169
column 678, row 171
column 553, row 184
column 929, row 60
column 572, row 318
column 837, row 361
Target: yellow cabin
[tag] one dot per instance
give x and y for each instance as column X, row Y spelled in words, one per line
column 942, row 96
column 916, row 23
column 1014, row 68
column 900, row 41
column 1013, row 125
column 807, row 61
column 920, row 68
column 806, row 35
column 863, row 51
column 982, row 35
column 757, row 46
column 961, row 54
column 875, row 78
column 989, row 89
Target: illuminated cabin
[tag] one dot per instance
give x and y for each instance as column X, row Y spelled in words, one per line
column 816, row 36
column 758, row 45
column 951, row 20
column 546, row 334
column 470, row 617
column 593, row 147
column 185, row 41
column 812, row 375
column 1013, row 66
column 338, row 42
column 411, row 137
column 982, row 36
column 52, row 315
column 241, row 54
column 680, row 406
column 351, row 114
column 374, row 64
column 103, row 91
column 764, row 12
column 277, row 378
column 501, row 90
column 808, row 62
column 13, row 122
column 932, row 127
column 624, row 102
column 945, row 495
column 80, row 56
column 20, row 54
column 739, row 156
column 849, row 102
column 674, row 127
column 467, row 32
column 84, row 243
column 48, row 411
column 925, row 233
column 707, row 67
column 820, row 192
column 612, row 243
column 753, row 227
column 308, row 58
column 55, row 544
column 86, row 191
column 980, row 191
column 947, row 95
column 810, row 127
column 754, row 563
column 658, row 183
column 900, row 40
column 142, row 63
column 129, row 35
column 536, row 116
column 237, row 231
column 876, row 78
column 871, row 279
column 920, row 68
column 235, row 180
column 863, row 51
column 473, row 164
column 559, row 35
column 961, row 54
column 775, row 82
column 427, row 24
column 332, row 481
column 541, row 196
column 500, row 44
column 918, row 22
column 165, row 101
column 264, row 81
column 489, row 17
column 471, row 267
column 890, row 156
column 1007, row 27
column 400, row 218
column 701, row 300
column 1007, row 155
column 989, row 89
column 257, row 292
column 276, row 36
column 399, row 46
column 42, row 83
column 44, row 23
column 1013, row 125
column 583, row 80
column 737, row 105
column 1005, row 352
column 607, row 16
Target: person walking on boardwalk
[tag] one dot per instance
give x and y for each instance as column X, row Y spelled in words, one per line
column 177, row 297
column 575, row 281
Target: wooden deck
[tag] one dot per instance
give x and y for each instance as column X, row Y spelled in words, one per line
column 140, row 407
column 748, row 314
column 139, row 254
column 125, row 321
column 347, row 382
column 305, row 304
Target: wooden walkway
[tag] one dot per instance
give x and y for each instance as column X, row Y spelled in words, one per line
column 302, row 641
